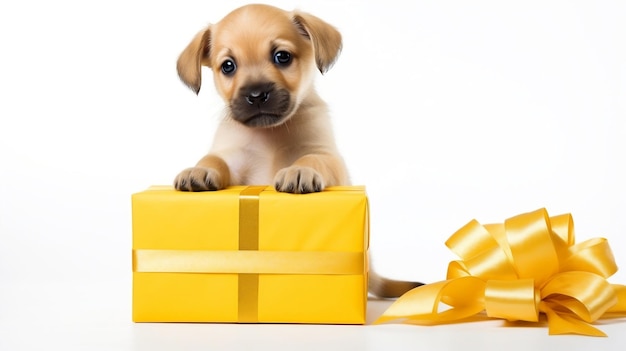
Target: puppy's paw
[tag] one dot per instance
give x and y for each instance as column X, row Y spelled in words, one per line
column 298, row 180
column 198, row 179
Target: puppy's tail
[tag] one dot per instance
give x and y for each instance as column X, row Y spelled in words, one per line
column 382, row 287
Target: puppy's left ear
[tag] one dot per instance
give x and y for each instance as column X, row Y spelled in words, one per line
column 326, row 39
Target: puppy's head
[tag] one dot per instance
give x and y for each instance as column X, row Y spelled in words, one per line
column 263, row 61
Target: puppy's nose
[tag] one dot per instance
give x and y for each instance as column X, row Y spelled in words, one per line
column 258, row 93
column 257, row 97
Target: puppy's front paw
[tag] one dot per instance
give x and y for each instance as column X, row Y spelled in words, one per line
column 298, row 180
column 198, row 179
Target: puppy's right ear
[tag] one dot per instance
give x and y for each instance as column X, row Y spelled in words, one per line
column 192, row 58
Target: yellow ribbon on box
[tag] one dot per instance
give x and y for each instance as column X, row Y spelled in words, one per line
column 516, row 271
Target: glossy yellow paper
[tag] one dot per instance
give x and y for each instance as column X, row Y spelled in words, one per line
column 198, row 257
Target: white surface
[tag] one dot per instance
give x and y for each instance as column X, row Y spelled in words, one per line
column 95, row 317
column 446, row 111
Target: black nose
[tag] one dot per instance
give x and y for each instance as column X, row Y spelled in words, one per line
column 258, row 93
column 257, row 97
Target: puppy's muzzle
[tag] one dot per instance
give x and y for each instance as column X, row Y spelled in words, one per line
column 261, row 105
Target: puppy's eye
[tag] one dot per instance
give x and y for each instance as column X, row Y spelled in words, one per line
column 228, row 67
column 282, row 58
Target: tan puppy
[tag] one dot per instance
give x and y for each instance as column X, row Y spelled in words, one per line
column 277, row 129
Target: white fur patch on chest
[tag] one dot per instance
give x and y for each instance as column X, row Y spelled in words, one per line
column 251, row 160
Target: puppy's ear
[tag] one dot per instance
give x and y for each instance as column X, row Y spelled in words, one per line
column 192, row 58
column 326, row 39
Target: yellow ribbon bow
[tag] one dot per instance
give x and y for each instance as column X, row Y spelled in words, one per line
column 516, row 271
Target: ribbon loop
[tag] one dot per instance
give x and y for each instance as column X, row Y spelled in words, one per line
column 585, row 294
column 517, row 270
column 512, row 300
column 471, row 240
column 529, row 237
column 593, row 255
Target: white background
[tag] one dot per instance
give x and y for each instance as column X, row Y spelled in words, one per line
column 445, row 110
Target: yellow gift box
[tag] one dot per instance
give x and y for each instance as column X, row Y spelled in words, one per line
column 250, row 254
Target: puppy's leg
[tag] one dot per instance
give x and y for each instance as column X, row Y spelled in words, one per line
column 311, row 173
column 211, row 173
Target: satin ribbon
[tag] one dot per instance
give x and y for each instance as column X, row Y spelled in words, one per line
column 248, row 262
column 248, row 283
column 517, row 270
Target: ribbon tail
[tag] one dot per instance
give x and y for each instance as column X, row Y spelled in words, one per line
column 559, row 324
column 422, row 304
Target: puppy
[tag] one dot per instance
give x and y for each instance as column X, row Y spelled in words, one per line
column 276, row 128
